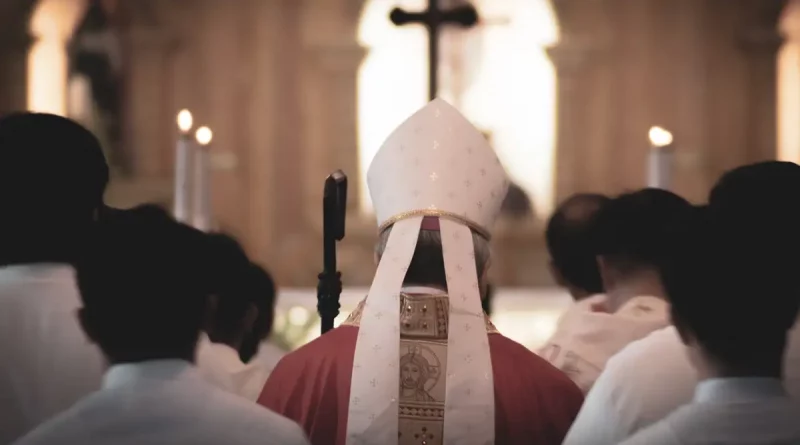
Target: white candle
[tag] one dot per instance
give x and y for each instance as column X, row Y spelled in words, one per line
column 659, row 160
column 202, row 181
column 183, row 162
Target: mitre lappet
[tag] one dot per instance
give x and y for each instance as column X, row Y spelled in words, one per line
column 436, row 171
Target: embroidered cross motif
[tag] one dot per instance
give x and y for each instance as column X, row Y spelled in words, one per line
column 373, row 382
column 467, row 327
column 480, row 204
column 376, row 348
column 467, row 183
column 483, row 172
column 356, row 401
column 468, row 358
column 372, row 417
column 378, row 315
column 463, row 296
column 435, row 145
column 434, row 176
column 459, row 268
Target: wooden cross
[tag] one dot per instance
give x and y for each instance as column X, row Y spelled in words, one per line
column 433, row 19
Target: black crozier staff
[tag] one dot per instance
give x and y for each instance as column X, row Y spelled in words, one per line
column 329, row 288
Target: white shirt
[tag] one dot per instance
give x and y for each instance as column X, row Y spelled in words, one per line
column 737, row 411
column 585, row 339
column 47, row 362
column 645, row 382
column 268, row 356
column 220, row 365
column 164, row 402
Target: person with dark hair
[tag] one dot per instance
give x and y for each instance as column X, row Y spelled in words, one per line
column 143, row 284
column 740, row 395
column 239, row 317
column 734, row 293
column 418, row 361
column 52, row 179
column 631, row 235
column 573, row 262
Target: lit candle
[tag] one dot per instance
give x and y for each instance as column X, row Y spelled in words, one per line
column 659, row 162
column 202, row 190
column 183, row 162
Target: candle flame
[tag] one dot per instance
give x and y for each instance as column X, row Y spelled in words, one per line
column 203, row 135
column 660, row 137
column 185, row 121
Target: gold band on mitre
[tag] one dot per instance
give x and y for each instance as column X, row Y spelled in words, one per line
column 482, row 231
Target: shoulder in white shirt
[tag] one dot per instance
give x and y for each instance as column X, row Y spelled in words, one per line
column 585, row 339
column 740, row 411
column 645, row 382
column 164, row 402
column 220, row 365
column 47, row 362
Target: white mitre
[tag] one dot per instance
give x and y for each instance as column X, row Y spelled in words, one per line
column 434, row 164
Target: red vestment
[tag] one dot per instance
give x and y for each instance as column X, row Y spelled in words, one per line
column 535, row 403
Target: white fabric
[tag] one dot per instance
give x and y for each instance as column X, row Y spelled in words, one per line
column 742, row 411
column 268, row 355
column 585, row 339
column 164, row 402
column 220, row 365
column 645, row 382
column 436, row 163
column 47, row 363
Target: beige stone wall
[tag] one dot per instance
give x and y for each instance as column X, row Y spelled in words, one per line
column 276, row 81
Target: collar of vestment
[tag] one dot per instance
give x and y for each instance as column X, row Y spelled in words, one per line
column 149, row 371
column 222, row 354
column 738, row 389
column 37, row 272
column 424, row 313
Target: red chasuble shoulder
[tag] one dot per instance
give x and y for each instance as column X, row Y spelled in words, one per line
column 534, row 402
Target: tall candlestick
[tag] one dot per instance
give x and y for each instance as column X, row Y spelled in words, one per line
column 202, row 181
column 183, row 162
column 660, row 158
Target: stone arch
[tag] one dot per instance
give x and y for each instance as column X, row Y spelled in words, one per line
column 507, row 51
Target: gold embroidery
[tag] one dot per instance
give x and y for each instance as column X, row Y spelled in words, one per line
column 423, row 365
column 421, row 316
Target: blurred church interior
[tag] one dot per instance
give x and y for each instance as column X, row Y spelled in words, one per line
column 565, row 90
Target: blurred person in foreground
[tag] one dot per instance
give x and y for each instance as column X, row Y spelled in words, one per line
column 52, row 179
column 631, row 236
column 239, row 317
column 143, row 287
column 654, row 376
column 418, row 361
column 740, row 397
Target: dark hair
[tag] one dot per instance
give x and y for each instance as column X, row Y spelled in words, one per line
column 52, row 178
column 569, row 241
column 262, row 294
column 734, row 283
column 638, row 229
column 142, row 285
column 229, row 282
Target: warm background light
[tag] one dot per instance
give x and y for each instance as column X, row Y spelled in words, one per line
column 203, row 135
column 516, row 106
column 185, row 121
column 660, row 137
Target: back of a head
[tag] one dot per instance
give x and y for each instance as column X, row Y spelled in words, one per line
column 727, row 283
column 141, row 282
column 52, row 172
column 230, row 279
column 569, row 241
column 638, row 229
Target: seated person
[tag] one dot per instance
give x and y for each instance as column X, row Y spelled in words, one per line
column 238, row 319
column 738, row 351
column 631, row 235
column 652, row 377
column 141, row 284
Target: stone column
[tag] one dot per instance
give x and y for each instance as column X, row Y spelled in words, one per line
column 148, row 115
column 15, row 43
column 578, row 59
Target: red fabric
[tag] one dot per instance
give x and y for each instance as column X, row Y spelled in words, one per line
column 430, row 223
column 535, row 403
